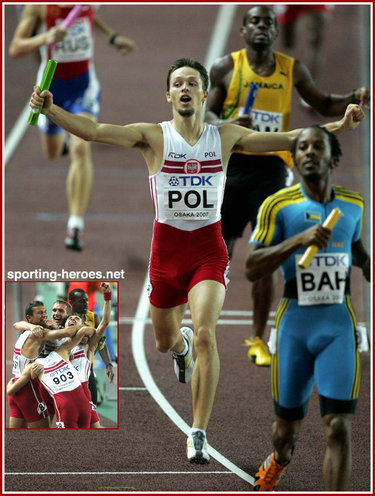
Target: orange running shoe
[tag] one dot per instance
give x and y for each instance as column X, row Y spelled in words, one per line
column 268, row 475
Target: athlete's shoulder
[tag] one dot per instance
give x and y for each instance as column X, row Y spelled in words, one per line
column 283, row 56
column 347, row 194
column 221, row 67
column 285, row 196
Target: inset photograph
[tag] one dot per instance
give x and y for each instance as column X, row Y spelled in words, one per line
column 61, row 349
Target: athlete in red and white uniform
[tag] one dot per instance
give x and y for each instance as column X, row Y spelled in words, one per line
column 61, row 380
column 28, row 408
column 28, row 403
column 82, row 365
column 187, row 192
column 82, row 355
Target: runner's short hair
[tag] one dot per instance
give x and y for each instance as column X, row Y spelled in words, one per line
column 31, row 305
column 194, row 64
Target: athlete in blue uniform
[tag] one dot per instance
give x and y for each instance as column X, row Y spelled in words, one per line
column 315, row 339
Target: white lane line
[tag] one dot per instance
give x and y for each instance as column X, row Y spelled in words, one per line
column 16, row 134
column 132, row 389
column 224, row 472
column 140, row 360
column 131, row 320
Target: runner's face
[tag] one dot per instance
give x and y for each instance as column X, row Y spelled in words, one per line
column 81, row 303
column 39, row 316
column 260, row 29
column 73, row 320
column 59, row 313
column 313, row 154
column 186, row 91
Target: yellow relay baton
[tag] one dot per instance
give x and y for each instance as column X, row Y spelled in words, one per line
column 312, row 250
column 48, row 73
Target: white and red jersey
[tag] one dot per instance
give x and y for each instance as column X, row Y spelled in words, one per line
column 59, row 375
column 19, row 360
column 74, row 53
column 61, row 380
column 51, row 345
column 82, row 365
column 80, row 362
column 188, row 189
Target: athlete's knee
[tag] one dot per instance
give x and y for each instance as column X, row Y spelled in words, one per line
column 79, row 149
column 204, row 339
column 162, row 345
column 338, row 430
column 164, row 342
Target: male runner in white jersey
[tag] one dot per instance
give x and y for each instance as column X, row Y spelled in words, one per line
column 186, row 160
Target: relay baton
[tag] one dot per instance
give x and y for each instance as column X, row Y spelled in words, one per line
column 71, row 16
column 48, row 73
column 312, row 250
column 250, row 98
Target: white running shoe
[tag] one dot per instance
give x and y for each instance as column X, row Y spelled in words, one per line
column 196, row 448
column 184, row 364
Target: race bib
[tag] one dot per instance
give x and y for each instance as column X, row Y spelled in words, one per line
column 191, row 197
column 78, row 43
column 62, row 379
column 265, row 120
column 323, row 282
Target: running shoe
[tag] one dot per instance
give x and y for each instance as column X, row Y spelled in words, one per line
column 258, row 351
column 196, row 448
column 184, row 364
column 73, row 241
column 268, row 475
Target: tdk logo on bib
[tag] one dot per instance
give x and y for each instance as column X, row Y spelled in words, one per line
column 191, row 181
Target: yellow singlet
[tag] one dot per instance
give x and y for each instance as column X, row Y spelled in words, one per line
column 90, row 319
column 271, row 110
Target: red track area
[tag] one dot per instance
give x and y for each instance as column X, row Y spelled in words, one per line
column 141, row 454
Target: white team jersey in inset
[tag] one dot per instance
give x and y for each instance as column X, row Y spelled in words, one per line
column 20, row 361
column 80, row 362
column 59, row 375
column 188, row 189
column 51, row 345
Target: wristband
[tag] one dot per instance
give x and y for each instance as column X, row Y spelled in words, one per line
column 111, row 39
column 354, row 98
column 108, row 364
column 107, row 296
